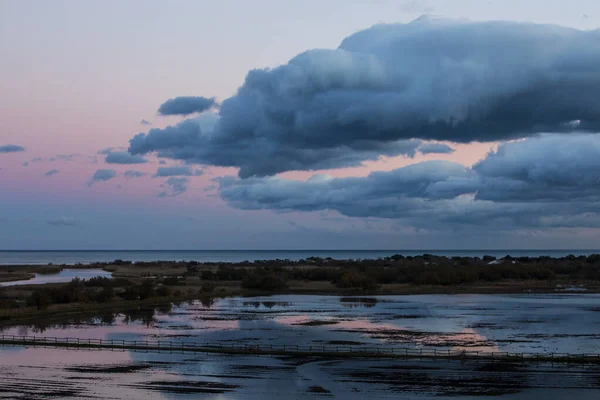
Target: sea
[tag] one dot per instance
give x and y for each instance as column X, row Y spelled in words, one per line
column 72, row 257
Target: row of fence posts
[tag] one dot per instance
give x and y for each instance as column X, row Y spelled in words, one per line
column 201, row 347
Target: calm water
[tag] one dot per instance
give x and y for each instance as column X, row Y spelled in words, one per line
column 66, row 275
column 86, row 257
column 516, row 323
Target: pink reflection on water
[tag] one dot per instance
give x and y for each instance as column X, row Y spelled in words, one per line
column 40, row 356
column 293, row 320
column 188, row 324
column 467, row 339
column 366, row 325
column 471, row 336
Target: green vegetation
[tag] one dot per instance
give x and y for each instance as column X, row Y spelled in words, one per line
column 142, row 281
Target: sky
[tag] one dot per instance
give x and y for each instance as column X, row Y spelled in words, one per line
column 416, row 124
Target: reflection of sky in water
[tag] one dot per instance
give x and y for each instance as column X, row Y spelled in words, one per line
column 515, row 323
column 34, row 373
column 477, row 322
column 66, row 275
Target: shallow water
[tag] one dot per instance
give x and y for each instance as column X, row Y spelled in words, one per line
column 51, row 373
column 514, row 323
column 66, row 275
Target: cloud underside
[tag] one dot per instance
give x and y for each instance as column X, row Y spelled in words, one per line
column 386, row 89
column 550, row 181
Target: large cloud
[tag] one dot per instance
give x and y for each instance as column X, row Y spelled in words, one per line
column 430, row 79
column 552, row 180
column 11, row 148
column 186, row 105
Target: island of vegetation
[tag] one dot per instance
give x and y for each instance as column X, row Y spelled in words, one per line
column 152, row 283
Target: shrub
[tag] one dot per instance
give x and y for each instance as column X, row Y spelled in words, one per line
column 355, row 280
column 105, row 295
column 207, row 287
column 40, row 298
column 173, row 281
column 267, row 282
column 164, row 291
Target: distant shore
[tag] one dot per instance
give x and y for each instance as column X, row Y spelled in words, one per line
column 74, row 257
column 164, row 281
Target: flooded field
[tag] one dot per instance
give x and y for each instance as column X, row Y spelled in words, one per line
column 515, row 323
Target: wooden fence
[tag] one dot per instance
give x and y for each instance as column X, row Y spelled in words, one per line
column 158, row 345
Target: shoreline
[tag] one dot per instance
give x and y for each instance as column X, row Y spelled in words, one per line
column 163, row 282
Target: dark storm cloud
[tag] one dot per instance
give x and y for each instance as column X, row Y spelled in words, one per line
column 163, row 172
column 176, row 186
column 430, row 79
column 11, row 148
column 102, row 175
column 186, row 105
column 435, row 148
column 552, row 180
column 52, row 172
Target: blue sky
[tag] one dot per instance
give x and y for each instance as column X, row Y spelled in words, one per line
column 78, row 78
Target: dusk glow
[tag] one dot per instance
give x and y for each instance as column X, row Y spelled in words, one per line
column 124, row 118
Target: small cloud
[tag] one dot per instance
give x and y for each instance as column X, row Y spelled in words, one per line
column 37, row 159
column 163, row 172
column 106, row 151
column 585, row 16
column 162, row 162
column 134, row 174
column 102, row 175
column 25, row 164
column 144, row 122
column 417, row 7
column 435, row 148
column 123, row 157
column 186, row 105
column 115, row 155
column 62, row 221
column 11, row 148
column 65, row 157
column 176, row 187
column 52, row 172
